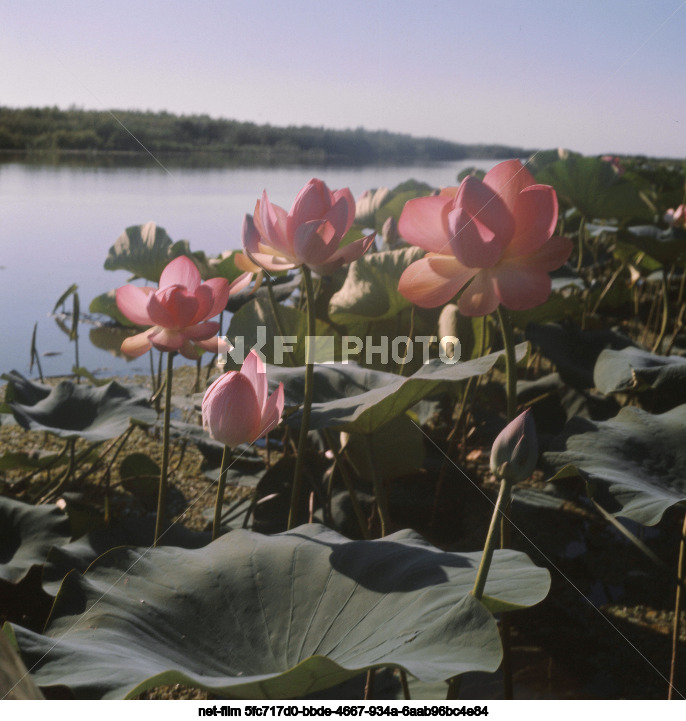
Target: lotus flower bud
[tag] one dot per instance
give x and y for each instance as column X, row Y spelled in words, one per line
column 515, row 450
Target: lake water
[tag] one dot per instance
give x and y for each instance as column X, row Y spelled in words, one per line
column 57, row 224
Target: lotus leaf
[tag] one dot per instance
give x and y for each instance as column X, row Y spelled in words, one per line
column 635, row 369
column 144, row 250
column 634, row 465
column 370, row 291
column 81, row 411
column 357, row 400
column 27, row 533
column 253, row 616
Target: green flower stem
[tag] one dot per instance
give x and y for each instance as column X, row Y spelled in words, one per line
column 511, row 373
column 221, row 485
column 161, row 521
column 665, row 312
column 510, row 362
column 491, row 538
column 676, row 629
column 582, row 233
column 347, row 481
column 277, row 320
column 307, row 403
column 379, row 490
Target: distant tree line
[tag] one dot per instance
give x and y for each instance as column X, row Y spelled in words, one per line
column 50, row 129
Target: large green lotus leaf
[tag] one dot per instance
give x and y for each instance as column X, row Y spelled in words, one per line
column 358, row 400
column 27, row 533
column 254, row 616
column 665, row 246
column 635, row 369
column 396, row 200
column 255, row 326
column 370, row 291
column 574, row 351
column 144, row 250
column 593, row 187
column 22, row 390
column 81, row 411
column 106, row 304
column 634, row 464
column 79, row 554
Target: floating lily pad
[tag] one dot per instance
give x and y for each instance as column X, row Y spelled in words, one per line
column 253, row 616
column 357, row 400
column 81, row 411
column 634, row 465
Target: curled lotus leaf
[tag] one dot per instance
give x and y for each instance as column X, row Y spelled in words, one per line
column 634, row 465
column 80, row 411
column 359, row 400
column 254, row 616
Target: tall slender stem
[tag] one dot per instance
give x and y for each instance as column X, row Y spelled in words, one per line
column 511, row 389
column 676, row 628
column 665, row 312
column 307, row 402
column 379, row 489
column 510, row 362
column 491, row 538
column 161, row 521
column 221, row 485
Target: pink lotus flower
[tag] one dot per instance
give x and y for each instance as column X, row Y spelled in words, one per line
column 309, row 234
column 495, row 233
column 236, row 408
column 178, row 310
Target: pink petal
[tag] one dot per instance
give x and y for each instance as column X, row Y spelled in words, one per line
column 346, row 254
column 230, row 411
column 220, row 294
column 251, row 235
column 521, row 287
column 166, row 339
column 253, row 369
column 313, row 202
column 479, row 298
column 201, row 331
column 424, row 222
column 132, row 301
column 488, row 208
column 337, row 195
column 271, row 415
column 272, row 225
column 211, row 344
column 553, row 254
column 181, row 271
column 315, row 242
column 535, row 219
column 138, row 344
column 189, row 350
column 172, row 307
column 205, row 298
column 473, row 244
column 433, row 280
column 243, row 281
column 273, row 262
column 508, row 179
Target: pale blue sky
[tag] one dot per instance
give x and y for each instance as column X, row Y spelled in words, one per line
column 592, row 75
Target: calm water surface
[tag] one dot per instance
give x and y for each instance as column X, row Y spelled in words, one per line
column 57, row 224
